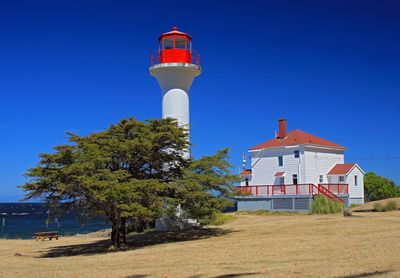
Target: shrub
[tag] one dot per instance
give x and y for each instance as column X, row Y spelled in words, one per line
column 217, row 219
column 323, row 205
column 378, row 188
column 379, row 207
column 391, row 205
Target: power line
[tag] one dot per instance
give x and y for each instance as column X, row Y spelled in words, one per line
column 376, row 158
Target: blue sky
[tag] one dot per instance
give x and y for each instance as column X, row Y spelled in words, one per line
column 330, row 67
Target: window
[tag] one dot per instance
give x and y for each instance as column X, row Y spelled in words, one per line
column 282, row 184
column 180, row 43
column 355, row 180
column 341, row 178
column 321, row 178
column 280, row 160
column 296, row 154
column 294, row 178
column 246, row 180
column 168, row 43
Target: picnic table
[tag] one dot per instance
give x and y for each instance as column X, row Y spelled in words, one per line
column 44, row 235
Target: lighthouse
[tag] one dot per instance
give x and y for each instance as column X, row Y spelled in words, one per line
column 175, row 65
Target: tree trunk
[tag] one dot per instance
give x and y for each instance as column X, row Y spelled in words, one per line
column 118, row 228
column 123, row 229
column 118, row 233
column 113, row 233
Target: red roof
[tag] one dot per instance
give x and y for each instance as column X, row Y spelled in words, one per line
column 175, row 31
column 279, row 174
column 341, row 169
column 297, row 137
column 245, row 172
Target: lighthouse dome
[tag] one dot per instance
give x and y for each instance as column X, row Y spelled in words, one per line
column 174, row 32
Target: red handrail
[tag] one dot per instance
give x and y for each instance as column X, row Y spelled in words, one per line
column 337, row 188
column 324, row 191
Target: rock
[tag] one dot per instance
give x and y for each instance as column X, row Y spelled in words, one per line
column 169, row 224
column 347, row 212
column 18, row 255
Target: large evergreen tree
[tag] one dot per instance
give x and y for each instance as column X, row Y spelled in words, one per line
column 131, row 171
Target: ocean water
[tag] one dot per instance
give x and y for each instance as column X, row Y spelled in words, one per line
column 23, row 220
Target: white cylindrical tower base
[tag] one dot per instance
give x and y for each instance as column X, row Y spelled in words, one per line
column 175, row 104
column 175, row 80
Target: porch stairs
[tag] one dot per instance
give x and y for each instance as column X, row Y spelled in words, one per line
column 320, row 190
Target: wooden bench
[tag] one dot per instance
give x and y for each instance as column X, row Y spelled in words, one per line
column 44, row 235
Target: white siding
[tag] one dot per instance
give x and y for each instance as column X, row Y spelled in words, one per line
column 356, row 191
column 312, row 163
column 265, row 165
column 319, row 162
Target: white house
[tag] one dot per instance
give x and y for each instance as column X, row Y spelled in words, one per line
column 298, row 163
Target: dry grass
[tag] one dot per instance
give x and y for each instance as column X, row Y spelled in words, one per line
column 370, row 205
column 251, row 246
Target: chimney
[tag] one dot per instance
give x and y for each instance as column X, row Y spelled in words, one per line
column 282, row 128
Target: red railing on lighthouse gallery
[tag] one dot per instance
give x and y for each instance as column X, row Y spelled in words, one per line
column 155, row 57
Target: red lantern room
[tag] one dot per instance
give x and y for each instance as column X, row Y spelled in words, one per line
column 175, row 47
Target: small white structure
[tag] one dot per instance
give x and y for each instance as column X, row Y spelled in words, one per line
column 352, row 175
column 299, row 163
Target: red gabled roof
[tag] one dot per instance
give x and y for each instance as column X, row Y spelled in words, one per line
column 297, row 137
column 245, row 172
column 279, row 174
column 341, row 169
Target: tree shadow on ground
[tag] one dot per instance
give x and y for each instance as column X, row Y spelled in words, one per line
column 230, row 275
column 367, row 274
column 133, row 242
column 234, row 275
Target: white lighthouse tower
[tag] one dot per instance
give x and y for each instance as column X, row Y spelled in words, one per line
column 175, row 65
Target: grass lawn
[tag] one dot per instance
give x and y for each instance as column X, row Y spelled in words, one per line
column 251, row 245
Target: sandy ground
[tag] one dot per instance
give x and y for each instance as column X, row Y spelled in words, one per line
column 367, row 245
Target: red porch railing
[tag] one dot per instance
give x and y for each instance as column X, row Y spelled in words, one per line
column 296, row 189
column 276, row 189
